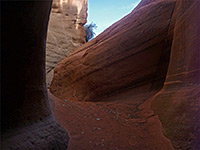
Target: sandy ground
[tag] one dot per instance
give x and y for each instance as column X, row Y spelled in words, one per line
column 125, row 122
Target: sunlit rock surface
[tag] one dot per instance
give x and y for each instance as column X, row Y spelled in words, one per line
column 147, row 65
column 65, row 32
column 131, row 53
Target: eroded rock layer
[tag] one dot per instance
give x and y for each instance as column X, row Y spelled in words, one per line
column 133, row 52
column 65, row 32
column 178, row 103
column 153, row 49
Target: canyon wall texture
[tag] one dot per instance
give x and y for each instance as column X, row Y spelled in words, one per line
column 178, row 103
column 66, row 31
column 27, row 122
column 154, row 48
column 131, row 53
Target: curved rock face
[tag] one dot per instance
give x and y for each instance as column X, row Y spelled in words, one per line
column 131, row 53
column 156, row 47
column 27, row 121
column 178, row 103
column 65, row 33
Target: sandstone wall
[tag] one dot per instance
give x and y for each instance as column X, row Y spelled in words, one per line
column 154, row 47
column 65, row 32
column 178, row 103
column 131, row 53
column 27, row 121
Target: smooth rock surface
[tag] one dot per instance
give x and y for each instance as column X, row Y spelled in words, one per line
column 150, row 60
column 178, row 103
column 133, row 52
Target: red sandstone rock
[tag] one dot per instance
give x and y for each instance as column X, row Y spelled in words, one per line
column 133, row 52
column 127, row 65
column 178, row 103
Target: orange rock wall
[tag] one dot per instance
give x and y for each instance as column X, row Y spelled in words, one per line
column 178, row 103
column 155, row 47
column 133, row 52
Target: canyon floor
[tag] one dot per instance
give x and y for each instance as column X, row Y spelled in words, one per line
column 122, row 122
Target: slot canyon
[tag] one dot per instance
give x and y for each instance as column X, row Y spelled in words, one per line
column 136, row 86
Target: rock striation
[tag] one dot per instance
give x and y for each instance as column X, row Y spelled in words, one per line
column 154, row 48
column 178, row 103
column 65, row 32
column 131, row 53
